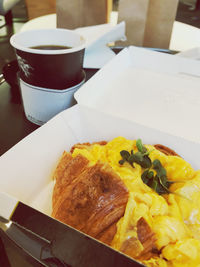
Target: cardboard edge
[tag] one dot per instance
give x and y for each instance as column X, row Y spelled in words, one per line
column 8, row 205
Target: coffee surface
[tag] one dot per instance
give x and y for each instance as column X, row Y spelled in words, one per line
column 50, row 47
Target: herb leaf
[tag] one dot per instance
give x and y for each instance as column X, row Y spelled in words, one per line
column 154, row 184
column 161, row 177
column 140, row 146
column 146, row 163
column 125, row 154
column 147, row 177
column 121, row 162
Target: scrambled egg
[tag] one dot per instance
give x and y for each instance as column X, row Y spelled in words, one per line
column 173, row 217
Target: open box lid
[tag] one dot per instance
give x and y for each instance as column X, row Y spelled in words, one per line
column 152, row 88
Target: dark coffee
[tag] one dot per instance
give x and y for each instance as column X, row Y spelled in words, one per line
column 50, row 47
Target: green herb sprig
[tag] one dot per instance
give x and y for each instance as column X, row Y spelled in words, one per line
column 140, row 157
column 157, row 182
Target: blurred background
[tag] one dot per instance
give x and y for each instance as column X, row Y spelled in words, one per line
column 24, row 10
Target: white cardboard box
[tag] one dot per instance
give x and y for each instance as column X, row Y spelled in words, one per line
column 27, row 168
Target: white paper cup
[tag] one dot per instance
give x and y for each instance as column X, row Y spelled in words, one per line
column 42, row 104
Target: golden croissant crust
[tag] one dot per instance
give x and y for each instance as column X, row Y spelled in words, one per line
column 89, row 198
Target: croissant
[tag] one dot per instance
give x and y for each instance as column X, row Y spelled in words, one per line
column 90, row 199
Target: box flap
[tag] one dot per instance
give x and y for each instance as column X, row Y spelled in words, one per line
column 155, row 89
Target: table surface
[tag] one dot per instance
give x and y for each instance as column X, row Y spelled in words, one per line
column 14, row 125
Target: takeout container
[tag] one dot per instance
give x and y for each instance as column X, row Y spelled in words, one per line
column 34, row 158
column 41, row 104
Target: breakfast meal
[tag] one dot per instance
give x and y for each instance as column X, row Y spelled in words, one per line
column 142, row 200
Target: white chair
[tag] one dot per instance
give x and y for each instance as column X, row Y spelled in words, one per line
column 5, row 9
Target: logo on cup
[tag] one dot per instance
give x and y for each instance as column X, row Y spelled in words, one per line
column 24, row 66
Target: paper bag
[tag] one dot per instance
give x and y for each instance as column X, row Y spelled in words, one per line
column 73, row 14
column 134, row 13
column 39, row 8
column 149, row 23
